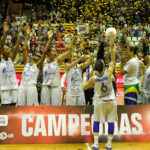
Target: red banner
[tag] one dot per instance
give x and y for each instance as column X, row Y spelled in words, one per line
column 68, row 124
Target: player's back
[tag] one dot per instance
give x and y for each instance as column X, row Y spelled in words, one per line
column 103, row 88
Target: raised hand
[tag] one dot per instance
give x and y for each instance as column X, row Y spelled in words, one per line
column 112, row 43
column 85, row 74
column 50, row 34
column 5, row 27
column 28, row 30
column 103, row 37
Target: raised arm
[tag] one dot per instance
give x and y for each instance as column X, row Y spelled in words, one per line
column 89, row 83
column 40, row 63
column 14, row 54
column 87, row 63
column 122, row 71
column 112, row 63
column 65, row 55
column 126, row 38
column 74, row 63
column 100, row 54
column 27, row 32
column 3, row 40
column 143, row 39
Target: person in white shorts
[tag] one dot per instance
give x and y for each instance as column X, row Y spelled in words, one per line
column 27, row 94
column 8, row 80
column 51, row 86
column 75, row 93
column 105, row 108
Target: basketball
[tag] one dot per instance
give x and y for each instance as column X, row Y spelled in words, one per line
column 111, row 33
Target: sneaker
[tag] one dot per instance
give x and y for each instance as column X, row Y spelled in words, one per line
column 94, row 146
column 108, row 147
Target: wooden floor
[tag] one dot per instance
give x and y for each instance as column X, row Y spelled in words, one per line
column 86, row 146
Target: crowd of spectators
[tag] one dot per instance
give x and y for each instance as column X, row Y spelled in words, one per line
column 98, row 15
column 130, row 18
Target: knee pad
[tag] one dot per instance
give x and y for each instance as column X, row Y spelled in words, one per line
column 111, row 128
column 96, row 126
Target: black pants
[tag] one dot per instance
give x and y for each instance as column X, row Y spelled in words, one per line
column 89, row 96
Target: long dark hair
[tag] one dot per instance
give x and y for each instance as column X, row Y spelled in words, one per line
column 99, row 65
column 133, row 49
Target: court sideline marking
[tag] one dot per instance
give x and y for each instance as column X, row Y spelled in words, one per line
column 88, row 146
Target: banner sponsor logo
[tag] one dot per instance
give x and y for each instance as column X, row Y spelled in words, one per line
column 3, row 120
column 4, row 135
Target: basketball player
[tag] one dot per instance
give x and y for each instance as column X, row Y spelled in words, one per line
column 9, row 84
column 105, row 108
column 146, row 87
column 27, row 94
column 75, row 93
column 51, row 87
column 133, row 74
column 131, row 83
column 145, row 94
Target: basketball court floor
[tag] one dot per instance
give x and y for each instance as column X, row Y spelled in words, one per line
column 84, row 146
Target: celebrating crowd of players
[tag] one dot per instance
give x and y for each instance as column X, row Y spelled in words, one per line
column 48, row 65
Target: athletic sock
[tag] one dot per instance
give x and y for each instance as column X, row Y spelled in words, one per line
column 109, row 140
column 96, row 140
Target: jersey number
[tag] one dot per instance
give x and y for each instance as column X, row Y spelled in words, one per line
column 104, row 88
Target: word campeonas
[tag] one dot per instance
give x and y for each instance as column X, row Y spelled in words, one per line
column 75, row 124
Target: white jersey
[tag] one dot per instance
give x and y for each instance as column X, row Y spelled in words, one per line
column 146, row 83
column 74, row 82
column 8, row 75
column 29, row 75
column 103, row 88
column 51, row 73
column 131, row 68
